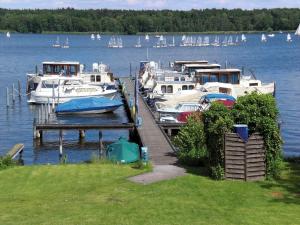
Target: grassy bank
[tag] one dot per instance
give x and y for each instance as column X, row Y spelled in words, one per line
column 100, row 194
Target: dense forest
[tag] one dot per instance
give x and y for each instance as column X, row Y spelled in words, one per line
column 132, row 22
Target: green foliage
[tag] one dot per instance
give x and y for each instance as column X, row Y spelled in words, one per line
column 6, row 162
column 191, row 143
column 218, row 121
column 260, row 112
column 132, row 21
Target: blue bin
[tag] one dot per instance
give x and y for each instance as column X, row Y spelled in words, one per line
column 242, row 131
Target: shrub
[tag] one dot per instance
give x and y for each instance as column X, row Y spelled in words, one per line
column 190, row 142
column 6, row 161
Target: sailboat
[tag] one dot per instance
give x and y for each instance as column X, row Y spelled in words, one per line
column 288, row 38
column 92, row 36
column 230, row 41
column 8, row 34
column 243, row 38
column 66, row 44
column 298, row 31
column 98, row 37
column 263, row 38
column 173, row 42
column 138, row 44
column 225, row 42
column 56, row 44
column 119, row 42
column 147, row 37
column 237, row 40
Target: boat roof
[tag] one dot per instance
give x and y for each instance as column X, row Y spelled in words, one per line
column 190, row 61
column 60, row 78
column 61, row 62
column 203, row 65
column 219, row 95
column 217, row 70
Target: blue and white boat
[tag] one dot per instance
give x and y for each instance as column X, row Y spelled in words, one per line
column 217, row 96
column 89, row 105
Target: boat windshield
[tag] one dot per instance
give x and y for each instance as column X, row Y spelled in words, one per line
column 178, row 106
column 72, row 82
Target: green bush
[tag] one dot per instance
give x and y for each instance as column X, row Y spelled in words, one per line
column 190, row 142
column 6, row 162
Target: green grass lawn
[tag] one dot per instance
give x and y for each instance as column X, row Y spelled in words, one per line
column 100, row 194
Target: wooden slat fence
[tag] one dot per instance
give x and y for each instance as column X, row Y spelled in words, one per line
column 244, row 160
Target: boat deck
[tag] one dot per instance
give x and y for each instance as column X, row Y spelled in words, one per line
column 151, row 134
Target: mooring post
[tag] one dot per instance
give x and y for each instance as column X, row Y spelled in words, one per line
column 100, row 145
column 7, row 97
column 53, row 97
column 170, row 132
column 19, row 88
column 49, row 109
column 60, row 144
column 42, row 113
column 130, row 71
column 13, row 92
column 81, row 134
column 46, row 113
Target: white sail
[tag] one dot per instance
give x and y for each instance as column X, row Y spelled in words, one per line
column 56, row 44
column 147, row 37
column 8, row 34
column 298, row 31
column 288, row 38
column 138, row 44
column 98, row 37
column 263, row 38
column 66, row 45
column 92, row 36
column 243, row 38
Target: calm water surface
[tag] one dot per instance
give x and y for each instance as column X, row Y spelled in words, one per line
column 275, row 60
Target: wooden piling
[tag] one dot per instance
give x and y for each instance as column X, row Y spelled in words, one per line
column 81, row 134
column 13, row 92
column 100, row 144
column 60, row 144
column 7, row 97
column 19, row 88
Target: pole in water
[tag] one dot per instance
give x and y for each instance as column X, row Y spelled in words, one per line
column 130, row 70
column 13, row 92
column 53, row 96
column 60, row 144
column 100, row 145
column 7, row 97
column 19, row 88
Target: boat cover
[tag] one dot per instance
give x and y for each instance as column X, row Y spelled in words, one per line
column 87, row 104
column 219, row 96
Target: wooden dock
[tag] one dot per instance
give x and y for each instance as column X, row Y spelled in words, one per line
column 152, row 135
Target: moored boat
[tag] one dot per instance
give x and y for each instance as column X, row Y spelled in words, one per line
column 90, row 105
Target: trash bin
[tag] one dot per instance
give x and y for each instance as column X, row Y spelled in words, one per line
column 242, row 131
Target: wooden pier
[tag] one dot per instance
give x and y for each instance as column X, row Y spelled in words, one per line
column 152, row 135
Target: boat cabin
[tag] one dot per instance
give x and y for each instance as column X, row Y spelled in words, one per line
column 63, row 68
column 231, row 76
column 178, row 64
column 191, row 68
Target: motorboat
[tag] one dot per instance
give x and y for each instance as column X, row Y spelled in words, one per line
column 99, row 75
column 271, row 35
column 62, row 89
column 90, row 105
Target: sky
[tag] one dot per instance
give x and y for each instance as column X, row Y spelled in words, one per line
column 149, row 4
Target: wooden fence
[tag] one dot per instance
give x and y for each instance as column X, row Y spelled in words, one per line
column 244, row 160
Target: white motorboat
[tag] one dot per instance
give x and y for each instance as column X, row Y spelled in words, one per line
column 271, row 35
column 51, row 89
column 179, row 108
column 99, row 75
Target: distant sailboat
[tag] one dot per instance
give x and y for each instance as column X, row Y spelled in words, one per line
column 288, row 38
column 98, row 37
column 92, row 36
column 56, row 44
column 138, row 44
column 243, row 38
column 225, row 42
column 147, row 37
column 173, row 42
column 298, row 31
column 66, row 44
column 237, row 40
column 8, row 34
column 263, row 38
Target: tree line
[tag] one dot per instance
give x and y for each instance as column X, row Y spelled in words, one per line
column 133, row 21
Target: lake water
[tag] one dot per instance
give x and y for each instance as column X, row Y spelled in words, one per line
column 275, row 60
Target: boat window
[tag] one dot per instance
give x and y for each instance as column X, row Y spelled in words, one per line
column 223, row 78
column 73, row 70
column 253, row 84
column 184, row 87
column 176, row 79
column 178, row 106
column 98, row 78
column 163, row 89
column 182, row 78
column 234, row 78
column 46, row 84
column 170, row 89
column 191, row 87
column 213, row 78
column 205, row 79
column 93, row 78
